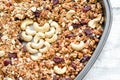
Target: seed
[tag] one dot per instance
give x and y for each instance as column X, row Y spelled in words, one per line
column 7, row 62
column 57, row 59
column 12, row 55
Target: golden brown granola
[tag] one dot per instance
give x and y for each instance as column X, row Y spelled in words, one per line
column 63, row 37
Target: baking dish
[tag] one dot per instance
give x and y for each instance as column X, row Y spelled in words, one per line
column 106, row 29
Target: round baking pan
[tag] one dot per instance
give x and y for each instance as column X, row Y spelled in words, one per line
column 106, row 29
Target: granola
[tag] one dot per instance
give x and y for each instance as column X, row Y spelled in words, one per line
column 47, row 39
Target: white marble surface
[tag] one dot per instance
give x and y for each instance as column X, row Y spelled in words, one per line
column 107, row 67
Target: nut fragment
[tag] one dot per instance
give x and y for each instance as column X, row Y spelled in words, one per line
column 78, row 47
column 70, row 14
column 58, row 70
column 93, row 23
column 2, row 53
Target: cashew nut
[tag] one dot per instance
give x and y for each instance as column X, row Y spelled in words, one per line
column 30, row 32
column 26, row 37
column 38, row 36
column 37, row 45
column 30, row 49
column 44, row 28
column 50, row 33
column 52, row 39
column 35, row 56
column 56, row 25
column 2, row 53
column 70, row 14
column 25, row 23
column 60, row 70
column 78, row 47
column 7, row 78
column 93, row 23
column 46, row 48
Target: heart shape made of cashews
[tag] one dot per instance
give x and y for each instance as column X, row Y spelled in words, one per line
column 39, row 38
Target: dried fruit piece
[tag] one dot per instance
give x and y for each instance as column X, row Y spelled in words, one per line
column 57, row 59
column 69, row 36
column 12, row 55
column 76, row 25
column 55, row 2
column 84, row 59
column 68, row 79
column 83, row 21
column 24, row 49
column 7, row 62
column 74, row 65
column 55, row 78
column 88, row 31
column 37, row 13
column 86, row 8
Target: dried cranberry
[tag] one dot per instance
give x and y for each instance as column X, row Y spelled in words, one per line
column 20, row 38
column 86, row 8
column 55, row 78
column 7, row 62
column 74, row 65
column 12, row 55
column 83, row 21
column 69, row 36
column 57, row 59
column 68, row 79
column 76, row 25
column 24, row 49
column 84, row 59
column 88, row 31
column 37, row 13
column 55, row 2
column 1, row 34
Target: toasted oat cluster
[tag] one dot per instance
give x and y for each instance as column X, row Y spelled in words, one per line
column 47, row 39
